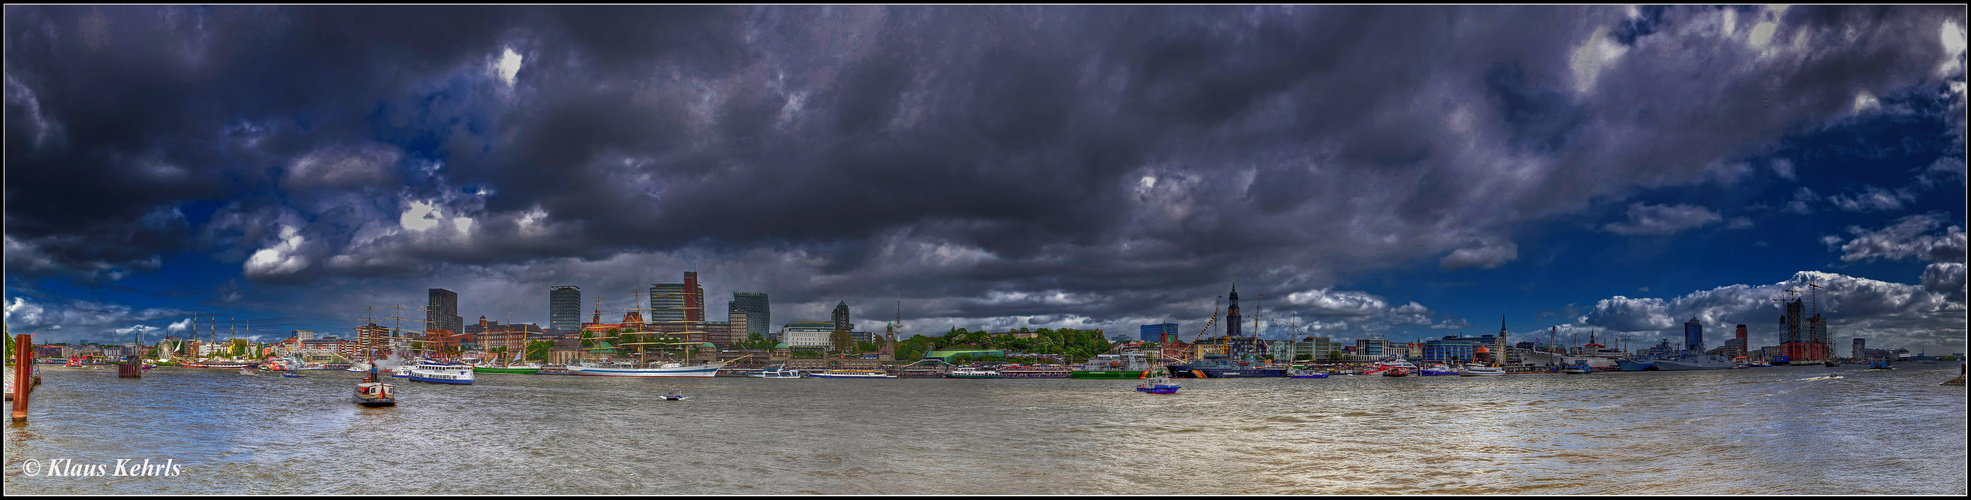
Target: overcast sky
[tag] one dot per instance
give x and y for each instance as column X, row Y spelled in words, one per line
column 1404, row 172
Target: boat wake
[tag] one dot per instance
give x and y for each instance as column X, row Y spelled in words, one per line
column 1823, row 377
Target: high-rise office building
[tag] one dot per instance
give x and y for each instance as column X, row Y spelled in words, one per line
column 565, row 308
column 675, row 302
column 841, row 317
column 442, row 311
column 1156, row 332
column 1861, row 347
column 1742, row 345
column 755, row 306
column 1693, row 335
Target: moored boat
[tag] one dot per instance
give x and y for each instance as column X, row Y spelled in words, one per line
column 852, row 374
column 1636, row 364
column 525, row 368
column 1578, row 368
column 1035, row 371
column 1306, row 374
column 971, row 372
column 1216, row 366
column 781, row 371
column 1437, row 369
column 628, row 369
column 440, row 372
column 1481, row 371
column 1693, row 361
column 1112, row 366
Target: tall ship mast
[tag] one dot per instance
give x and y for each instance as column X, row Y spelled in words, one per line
column 641, row 332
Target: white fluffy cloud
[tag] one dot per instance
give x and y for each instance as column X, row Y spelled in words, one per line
column 283, row 258
column 1481, row 255
column 1872, row 199
column 1645, row 219
column 1893, row 314
column 341, row 167
column 1908, row 237
column 81, row 319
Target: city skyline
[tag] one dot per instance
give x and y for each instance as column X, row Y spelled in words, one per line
column 1403, row 172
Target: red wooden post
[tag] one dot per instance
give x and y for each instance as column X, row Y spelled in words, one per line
column 23, row 368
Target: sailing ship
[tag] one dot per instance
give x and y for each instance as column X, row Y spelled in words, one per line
column 646, row 368
column 214, row 361
column 510, row 365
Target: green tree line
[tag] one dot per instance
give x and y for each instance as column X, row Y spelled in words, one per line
column 1075, row 344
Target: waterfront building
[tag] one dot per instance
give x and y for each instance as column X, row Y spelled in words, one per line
column 678, row 302
column 565, row 307
column 371, row 337
column 734, row 329
column 807, row 333
column 1693, row 335
column 566, row 350
column 1156, row 332
column 841, row 317
column 754, row 304
column 1800, row 336
column 300, row 335
column 441, row 312
column 1454, row 348
column 1735, row 347
column 1373, row 348
column 1861, row 347
column 1742, row 345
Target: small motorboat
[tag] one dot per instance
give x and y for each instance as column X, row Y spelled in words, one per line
column 248, row 371
column 1396, row 372
column 1159, row 385
column 291, row 375
column 675, row 397
column 1578, row 368
column 1306, row 374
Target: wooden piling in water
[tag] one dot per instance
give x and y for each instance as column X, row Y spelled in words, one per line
column 23, row 365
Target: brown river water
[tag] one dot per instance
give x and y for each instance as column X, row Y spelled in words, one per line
column 1781, row 430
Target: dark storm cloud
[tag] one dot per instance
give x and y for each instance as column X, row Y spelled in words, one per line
column 1106, row 162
